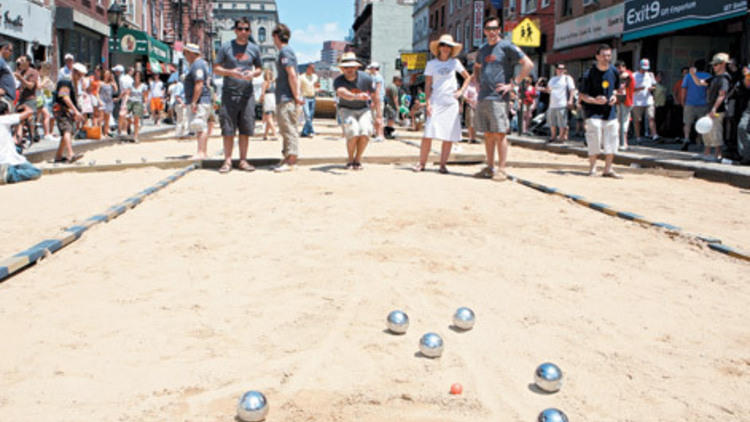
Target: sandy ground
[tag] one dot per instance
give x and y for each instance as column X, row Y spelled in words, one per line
column 219, row 284
column 695, row 205
column 41, row 209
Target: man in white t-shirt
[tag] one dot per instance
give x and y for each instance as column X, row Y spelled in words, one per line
column 374, row 70
column 643, row 100
column 13, row 166
column 561, row 89
column 309, row 83
column 156, row 93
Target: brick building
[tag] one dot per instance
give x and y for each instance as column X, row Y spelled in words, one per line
column 81, row 27
column 542, row 13
column 332, row 50
column 188, row 21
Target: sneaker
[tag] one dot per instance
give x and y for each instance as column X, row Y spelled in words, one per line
column 285, row 168
column 378, row 139
column 51, row 138
column 592, row 172
column 612, row 174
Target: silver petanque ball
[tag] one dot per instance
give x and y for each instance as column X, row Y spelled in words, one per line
column 398, row 322
column 464, row 318
column 253, row 407
column 431, row 345
column 548, row 377
column 552, row 415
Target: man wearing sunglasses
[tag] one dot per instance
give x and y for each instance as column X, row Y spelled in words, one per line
column 494, row 67
column 238, row 61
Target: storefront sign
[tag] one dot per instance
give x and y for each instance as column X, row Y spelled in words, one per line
column 644, row 18
column 414, row 61
column 26, row 21
column 478, row 23
column 136, row 42
column 606, row 23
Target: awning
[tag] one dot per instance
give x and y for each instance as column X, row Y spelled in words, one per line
column 644, row 18
column 576, row 53
column 130, row 41
column 155, row 67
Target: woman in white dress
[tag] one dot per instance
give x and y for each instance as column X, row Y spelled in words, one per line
column 268, row 98
column 442, row 92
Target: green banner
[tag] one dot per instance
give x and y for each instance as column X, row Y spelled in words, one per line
column 130, row 41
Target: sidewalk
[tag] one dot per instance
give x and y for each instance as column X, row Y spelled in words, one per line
column 45, row 150
column 667, row 156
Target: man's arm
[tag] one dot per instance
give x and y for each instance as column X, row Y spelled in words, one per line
column 526, row 67
column 294, row 84
column 197, row 90
column 345, row 94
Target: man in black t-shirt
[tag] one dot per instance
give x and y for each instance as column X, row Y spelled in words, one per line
column 718, row 86
column 67, row 113
column 598, row 95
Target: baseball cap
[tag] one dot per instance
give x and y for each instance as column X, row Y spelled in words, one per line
column 69, row 57
column 80, row 67
column 645, row 64
column 720, row 58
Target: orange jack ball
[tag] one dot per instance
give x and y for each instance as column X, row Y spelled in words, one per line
column 456, row 388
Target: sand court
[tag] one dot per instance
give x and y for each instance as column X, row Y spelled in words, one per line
column 222, row 283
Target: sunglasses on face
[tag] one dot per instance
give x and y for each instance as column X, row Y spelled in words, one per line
column 243, row 28
column 491, row 28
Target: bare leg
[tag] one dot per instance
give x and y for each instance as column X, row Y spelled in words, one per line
column 472, row 133
column 136, row 126
column 361, row 145
column 608, row 159
column 243, row 147
column 66, row 145
column 652, row 126
column 228, row 147
column 502, row 151
column 489, row 148
column 592, row 163
column 424, row 151
column 637, row 127
column 351, row 146
column 553, row 133
column 202, row 145
column 445, row 152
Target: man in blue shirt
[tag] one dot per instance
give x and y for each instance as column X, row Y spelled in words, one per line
column 7, row 81
column 288, row 97
column 598, row 90
column 694, row 104
column 494, row 67
column 197, row 97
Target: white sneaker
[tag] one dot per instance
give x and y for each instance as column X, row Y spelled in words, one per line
column 285, row 168
column 378, row 139
column 51, row 138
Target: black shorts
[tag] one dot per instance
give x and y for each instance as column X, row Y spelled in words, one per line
column 237, row 114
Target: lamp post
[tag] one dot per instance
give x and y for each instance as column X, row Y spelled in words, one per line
column 114, row 16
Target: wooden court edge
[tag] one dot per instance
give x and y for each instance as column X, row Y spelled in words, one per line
column 12, row 265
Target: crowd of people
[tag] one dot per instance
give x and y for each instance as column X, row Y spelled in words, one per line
column 491, row 97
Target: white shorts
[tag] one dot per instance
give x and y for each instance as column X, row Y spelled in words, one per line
column 602, row 136
column 198, row 121
column 356, row 122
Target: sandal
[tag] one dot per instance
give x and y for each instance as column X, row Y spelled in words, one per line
column 485, row 173
column 225, row 168
column 417, row 168
column 245, row 166
column 357, row 165
column 443, row 170
column 75, row 158
column 350, row 165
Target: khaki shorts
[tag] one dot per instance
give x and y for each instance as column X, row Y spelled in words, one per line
column 492, row 117
column 286, row 113
column 639, row 110
column 715, row 137
column 356, row 122
column 692, row 113
column 558, row 117
column 198, row 121
column 135, row 108
column 602, row 136
column 470, row 116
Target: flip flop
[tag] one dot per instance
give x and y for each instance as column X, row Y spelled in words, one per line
column 245, row 166
column 443, row 170
column 75, row 158
column 225, row 168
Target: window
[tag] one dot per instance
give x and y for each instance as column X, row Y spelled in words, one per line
column 262, row 35
column 442, row 16
column 588, row 2
column 529, row 6
column 567, row 8
column 450, row 7
column 458, row 32
column 545, row 3
column 468, row 41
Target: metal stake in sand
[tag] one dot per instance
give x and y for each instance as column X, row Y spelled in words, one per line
column 464, row 318
column 431, row 345
column 548, row 377
column 552, row 415
column 398, row 322
column 253, row 407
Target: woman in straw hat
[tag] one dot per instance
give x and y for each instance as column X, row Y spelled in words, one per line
column 443, row 121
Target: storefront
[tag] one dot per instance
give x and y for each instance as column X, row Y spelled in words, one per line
column 80, row 35
column 28, row 27
column 140, row 50
column 576, row 40
column 676, row 33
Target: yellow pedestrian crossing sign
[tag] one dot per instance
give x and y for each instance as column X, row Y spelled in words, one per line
column 527, row 34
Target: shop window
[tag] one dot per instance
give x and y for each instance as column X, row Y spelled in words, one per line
column 567, row 7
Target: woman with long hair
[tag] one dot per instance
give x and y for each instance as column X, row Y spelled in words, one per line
column 107, row 88
column 268, row 98
column 441, row 105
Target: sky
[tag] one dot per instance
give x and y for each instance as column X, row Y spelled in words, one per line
column 315, row 21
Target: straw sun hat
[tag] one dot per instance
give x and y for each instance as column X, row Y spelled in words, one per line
column 446, row 39
column 349, row 59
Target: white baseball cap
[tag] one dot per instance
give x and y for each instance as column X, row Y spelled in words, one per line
column 80, row 67
column 69, row 57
